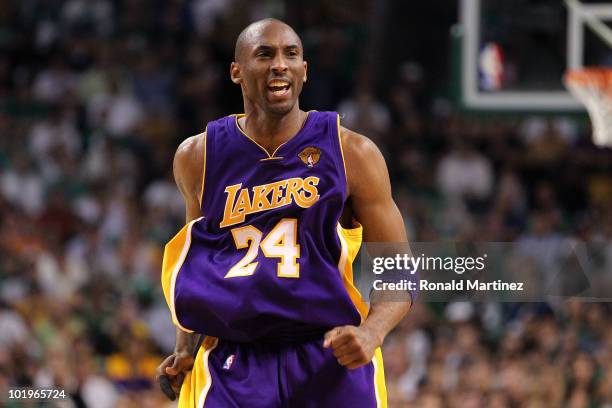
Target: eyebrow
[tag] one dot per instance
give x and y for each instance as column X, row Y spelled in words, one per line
column 265, row 47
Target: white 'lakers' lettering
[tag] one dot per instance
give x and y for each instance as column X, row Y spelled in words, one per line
column 241, row 202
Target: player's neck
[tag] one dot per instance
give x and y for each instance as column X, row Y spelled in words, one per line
column 270, row 131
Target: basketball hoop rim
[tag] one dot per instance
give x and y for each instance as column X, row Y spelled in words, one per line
column 593, row 87
column 593, row 76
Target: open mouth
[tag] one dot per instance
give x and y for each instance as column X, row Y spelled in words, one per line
column 279, row 88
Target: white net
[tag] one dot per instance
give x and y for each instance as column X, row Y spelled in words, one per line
column 593, row 87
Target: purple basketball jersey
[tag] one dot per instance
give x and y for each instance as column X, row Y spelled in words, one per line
column 263, row 262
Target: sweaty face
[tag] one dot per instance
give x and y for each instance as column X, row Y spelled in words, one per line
column 272, row 68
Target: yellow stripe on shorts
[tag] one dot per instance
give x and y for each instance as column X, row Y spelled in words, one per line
column 198, row 381
column 380, row 387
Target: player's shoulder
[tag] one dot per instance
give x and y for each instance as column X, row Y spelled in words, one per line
column 357, row 146
column 364, row 163
column 189, row 160
column 190, row 149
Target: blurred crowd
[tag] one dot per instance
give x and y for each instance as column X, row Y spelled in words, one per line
column 95, row 96
column 510, row 355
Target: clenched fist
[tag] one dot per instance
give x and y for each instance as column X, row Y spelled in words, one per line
column 353, row 346
column 174, row 368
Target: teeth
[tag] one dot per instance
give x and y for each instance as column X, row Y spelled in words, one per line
column 278, row 83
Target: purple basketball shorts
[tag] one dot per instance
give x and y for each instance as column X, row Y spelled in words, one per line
column 304, row 374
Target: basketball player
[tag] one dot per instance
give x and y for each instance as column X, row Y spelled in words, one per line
column 277, row 202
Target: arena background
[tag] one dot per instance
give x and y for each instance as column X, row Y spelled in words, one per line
column 95, row 96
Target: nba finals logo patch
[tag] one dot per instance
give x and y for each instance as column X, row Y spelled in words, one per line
column 310, row 156
column 228, row 362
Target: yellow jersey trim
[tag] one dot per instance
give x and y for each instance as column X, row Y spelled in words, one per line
column 203, row 169
column 342, row 154
column 239, row 115
column 175, row 253
column 270, row 156
column 350, row 242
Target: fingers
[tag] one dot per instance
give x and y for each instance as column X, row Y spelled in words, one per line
column 327, row 338
column 330, row 335
column 352, row 355
column 351, row 349
column 161, row 369
column 358, row 357
column 173, row 369
column 347, row 348
column 180, row 364
column 338, row 336
column 171, row 373
column 356, row 364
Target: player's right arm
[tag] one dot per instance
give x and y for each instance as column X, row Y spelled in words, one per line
column 188, row 169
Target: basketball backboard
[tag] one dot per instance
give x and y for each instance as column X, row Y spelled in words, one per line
column 514, row 52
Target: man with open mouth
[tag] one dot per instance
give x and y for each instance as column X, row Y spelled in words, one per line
column 259, row 281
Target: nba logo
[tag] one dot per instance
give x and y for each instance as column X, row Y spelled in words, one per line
column 228, row 363
column 491, row 67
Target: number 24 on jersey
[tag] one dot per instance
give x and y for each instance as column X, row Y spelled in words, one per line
column 281, row 243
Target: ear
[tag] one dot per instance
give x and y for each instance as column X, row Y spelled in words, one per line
column 305, row 71
column 235, row 73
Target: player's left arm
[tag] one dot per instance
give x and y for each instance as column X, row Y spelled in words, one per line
column 369, row 194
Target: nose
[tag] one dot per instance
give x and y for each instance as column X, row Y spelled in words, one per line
column 279, row 65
